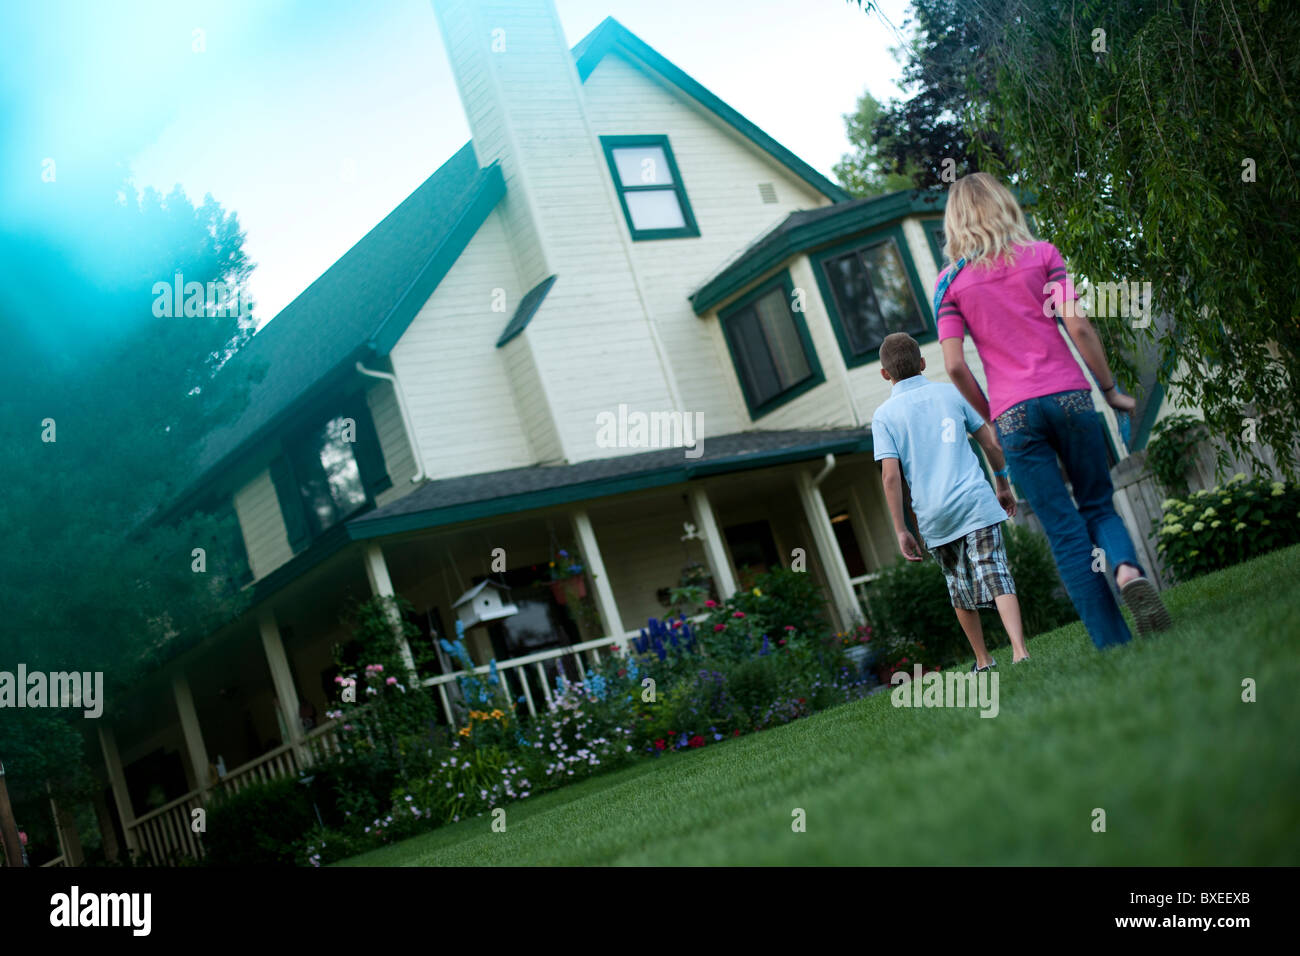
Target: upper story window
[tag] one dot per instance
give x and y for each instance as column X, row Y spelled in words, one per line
column 329, row 478
column 649, row 187
column 770, row 346
column 329, row 471
column 869, row 288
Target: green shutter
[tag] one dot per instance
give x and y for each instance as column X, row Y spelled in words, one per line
column 291, row 506
column 367, row 450
column 240, row 572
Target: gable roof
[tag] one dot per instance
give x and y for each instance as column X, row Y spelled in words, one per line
column 361, row 305
column 611, row 35
column 364, row 302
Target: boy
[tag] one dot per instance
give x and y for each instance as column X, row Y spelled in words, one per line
column 919, row 434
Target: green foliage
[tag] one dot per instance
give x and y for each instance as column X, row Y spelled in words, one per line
column 130, row 396
column 863, row 171
column 1172, row 449
column 912, row 613
column 1161, row 140
column 260, row 826
column 1232, row 522
column 781, row 605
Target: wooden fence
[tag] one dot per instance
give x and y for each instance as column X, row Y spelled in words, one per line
column 1138, row 497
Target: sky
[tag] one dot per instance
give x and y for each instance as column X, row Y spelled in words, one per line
column 313, row 119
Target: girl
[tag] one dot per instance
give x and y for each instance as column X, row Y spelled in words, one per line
column 1008, row 294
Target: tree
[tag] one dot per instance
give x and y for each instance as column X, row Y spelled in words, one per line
column 863, row 172
column 1160, row 142
column 106, row 403
column 938, row 131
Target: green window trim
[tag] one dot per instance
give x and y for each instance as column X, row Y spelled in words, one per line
column 815, row 375
column 818, row 261
column 933, row 230
column 691, row 229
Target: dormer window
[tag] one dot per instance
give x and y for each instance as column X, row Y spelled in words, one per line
column 649, row 187
column 330, row 470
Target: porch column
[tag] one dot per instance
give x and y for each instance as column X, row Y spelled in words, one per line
column 117, row 781
column 194, row 746
column 65, row 825
column 861, row 514
column 381, row 585
column 828, row 550
column 610, row 620
column 286, row 695
column 715, row 550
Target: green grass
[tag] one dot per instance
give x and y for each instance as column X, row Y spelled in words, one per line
column 1155, row 733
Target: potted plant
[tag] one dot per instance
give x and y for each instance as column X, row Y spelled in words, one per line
column 857, row 645
column 567, row 577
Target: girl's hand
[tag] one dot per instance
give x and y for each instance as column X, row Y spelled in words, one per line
column 1119, row 402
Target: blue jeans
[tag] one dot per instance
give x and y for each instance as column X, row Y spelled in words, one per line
column 1033, row 434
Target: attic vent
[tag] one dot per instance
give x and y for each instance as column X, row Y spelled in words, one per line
column 768, row 192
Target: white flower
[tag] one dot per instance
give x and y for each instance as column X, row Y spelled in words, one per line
column 1199, row 526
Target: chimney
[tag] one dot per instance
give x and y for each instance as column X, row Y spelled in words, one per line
column 521, row 93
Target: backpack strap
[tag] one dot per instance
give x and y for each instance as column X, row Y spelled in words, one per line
column 944, row 281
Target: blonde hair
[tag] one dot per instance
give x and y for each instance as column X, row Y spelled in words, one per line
column 983, row 222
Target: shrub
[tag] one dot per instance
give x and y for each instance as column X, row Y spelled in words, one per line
column 261, row 825
column 1219, row 527
column 1170, row 451
column 913, row 617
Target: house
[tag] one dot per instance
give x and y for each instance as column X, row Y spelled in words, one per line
column 622, row 322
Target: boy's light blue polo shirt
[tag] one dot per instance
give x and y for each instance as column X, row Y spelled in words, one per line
column 924, row 425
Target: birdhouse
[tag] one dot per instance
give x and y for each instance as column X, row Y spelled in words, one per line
column 483, row 602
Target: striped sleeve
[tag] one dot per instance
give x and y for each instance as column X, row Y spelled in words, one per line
column 1059, row 285
column 952, row 324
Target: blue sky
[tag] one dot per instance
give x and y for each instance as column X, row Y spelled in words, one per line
column 312, row 120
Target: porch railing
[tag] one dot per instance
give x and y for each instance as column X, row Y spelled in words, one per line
column 166, row 834
column 862, row 588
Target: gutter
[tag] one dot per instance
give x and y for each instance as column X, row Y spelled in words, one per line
column 826, row 469
column 406, row 419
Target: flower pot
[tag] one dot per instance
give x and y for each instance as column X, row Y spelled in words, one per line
column 576, row 584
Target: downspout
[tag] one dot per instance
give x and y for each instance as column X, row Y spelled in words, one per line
column 406, row 419
column 826, row 470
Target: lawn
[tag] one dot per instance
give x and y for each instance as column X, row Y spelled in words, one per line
column 1155, row 733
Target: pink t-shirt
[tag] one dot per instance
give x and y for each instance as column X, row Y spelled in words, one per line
column 1023, row 351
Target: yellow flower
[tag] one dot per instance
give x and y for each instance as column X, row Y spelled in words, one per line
column 497, row 714
column 464, row 731
column 757, row 593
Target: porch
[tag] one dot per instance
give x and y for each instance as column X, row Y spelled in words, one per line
column 215, row 720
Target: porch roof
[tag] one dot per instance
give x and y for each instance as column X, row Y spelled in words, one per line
column 468, row 497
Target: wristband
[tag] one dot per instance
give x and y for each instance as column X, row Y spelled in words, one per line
column 1005, row 472
column 1111, row 389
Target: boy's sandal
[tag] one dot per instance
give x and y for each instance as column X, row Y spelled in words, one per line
column 1149, row 612
column 975, row 668
column 1021, row 660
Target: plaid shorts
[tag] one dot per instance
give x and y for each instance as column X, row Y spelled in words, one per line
column 975, row 568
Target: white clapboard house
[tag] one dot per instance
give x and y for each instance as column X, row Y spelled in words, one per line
column 621, row 321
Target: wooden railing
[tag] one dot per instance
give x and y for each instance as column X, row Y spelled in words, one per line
column 861, row 589
column 166, row 834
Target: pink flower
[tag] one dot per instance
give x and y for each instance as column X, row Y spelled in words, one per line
column 391, row 681
column 710, row 603
column 739, row 614
column 719, row 627
column 789, row 627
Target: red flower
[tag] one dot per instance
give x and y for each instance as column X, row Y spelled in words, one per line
column 789, row 627
column 781, row 642
column 739, row 614
column 697, row 741
column 677, row 623
column 735, row 733
column 659, row 745
column 622, row 673
column 710, row 603
column 719, row 627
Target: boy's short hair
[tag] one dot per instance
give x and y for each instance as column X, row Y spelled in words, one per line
column 900, row 355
